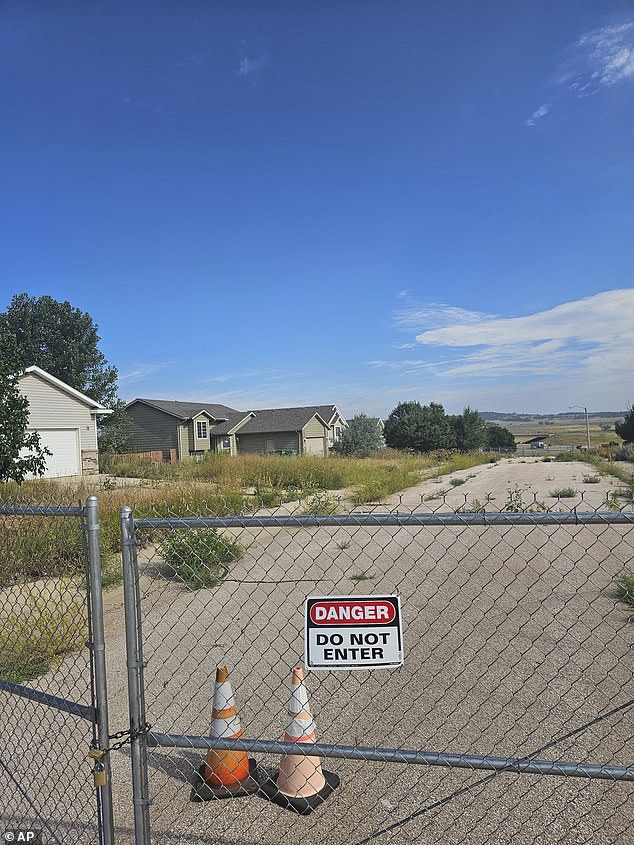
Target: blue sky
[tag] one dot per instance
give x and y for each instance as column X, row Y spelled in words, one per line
column 282, row 203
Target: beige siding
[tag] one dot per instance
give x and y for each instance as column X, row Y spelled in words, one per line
column 183, row 442
column 314, row 428
column 52, row 408
column 152, row 430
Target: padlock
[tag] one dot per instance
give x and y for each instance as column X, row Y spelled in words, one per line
column 100, row 777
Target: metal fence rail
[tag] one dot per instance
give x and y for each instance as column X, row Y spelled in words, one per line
column 514, row 700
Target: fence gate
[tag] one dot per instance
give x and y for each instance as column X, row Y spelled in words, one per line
column 510, row 719
column 53, row 707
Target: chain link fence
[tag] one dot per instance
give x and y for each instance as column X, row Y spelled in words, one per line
column 48, row 717
column 517, row 650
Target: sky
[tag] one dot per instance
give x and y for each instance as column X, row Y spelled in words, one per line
column 356, row 202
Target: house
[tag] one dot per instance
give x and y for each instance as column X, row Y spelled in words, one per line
column 192, row 428
column 66, row 422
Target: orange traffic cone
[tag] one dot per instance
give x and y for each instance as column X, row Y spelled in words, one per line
column 300, row 785
column 224, row 774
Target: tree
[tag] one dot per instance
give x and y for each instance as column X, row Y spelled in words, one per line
column 470, row 430
column 625, row 429
column 362, row 437
column 419, row 428
column 61, row 340
column 115, row 430
column 21, row 452
column 499, row 437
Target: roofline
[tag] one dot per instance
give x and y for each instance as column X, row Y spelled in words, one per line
column 181, row 417
column 97, row 408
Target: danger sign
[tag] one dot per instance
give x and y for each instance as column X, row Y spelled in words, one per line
column 353, row 632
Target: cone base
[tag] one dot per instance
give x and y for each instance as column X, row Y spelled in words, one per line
column 303, row 806
column 202, row 791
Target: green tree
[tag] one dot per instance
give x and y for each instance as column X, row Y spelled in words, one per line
column 21, row 452
column 499, row 437
column 61, row 340
column 421, row 428
column 115, row 430
column 362, row 437
column 470, row 430
column 625, row 429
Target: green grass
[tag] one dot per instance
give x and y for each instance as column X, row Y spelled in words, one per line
column 199, row 558
column 35, row 637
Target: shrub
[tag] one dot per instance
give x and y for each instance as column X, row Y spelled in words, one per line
column 321, row 504
column 563, row 493
column 591, row 479
column 199, row 558
column 456, row 482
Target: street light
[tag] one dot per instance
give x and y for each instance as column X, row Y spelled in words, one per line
column 585, row 410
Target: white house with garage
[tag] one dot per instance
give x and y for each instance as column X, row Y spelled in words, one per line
column 66, row 421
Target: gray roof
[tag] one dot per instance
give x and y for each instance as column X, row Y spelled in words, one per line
column 327, row 412
column 225, row 426
column 281, row 419
column 185, row 410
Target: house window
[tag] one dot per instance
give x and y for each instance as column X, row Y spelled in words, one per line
column 337, row 432
column 201, row 430
column 226, row 443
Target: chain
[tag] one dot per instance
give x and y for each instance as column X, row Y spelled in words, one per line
column 123, row 736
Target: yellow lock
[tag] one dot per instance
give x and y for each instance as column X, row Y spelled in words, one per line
column 96, row 754
column 100, row 777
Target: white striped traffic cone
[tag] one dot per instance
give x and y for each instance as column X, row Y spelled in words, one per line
column 301, row 785
column 224, row 774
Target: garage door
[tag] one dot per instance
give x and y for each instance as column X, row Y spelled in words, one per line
column 64, row 459
column 314, row 446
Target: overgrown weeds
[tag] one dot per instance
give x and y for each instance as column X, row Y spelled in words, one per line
column 199, row 558
column 625, row 587
column 39, row 631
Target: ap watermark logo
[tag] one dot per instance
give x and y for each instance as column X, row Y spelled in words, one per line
column 32, row 835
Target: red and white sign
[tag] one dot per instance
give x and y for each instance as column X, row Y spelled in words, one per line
column 353, row 632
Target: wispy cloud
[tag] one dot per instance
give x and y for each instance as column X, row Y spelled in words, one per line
column 253, row 62
column 139, row 104
column 542, row 111
column 141, row 371
column 415, row 316
column 603, row 57
column 596, row 61
column 569, row 339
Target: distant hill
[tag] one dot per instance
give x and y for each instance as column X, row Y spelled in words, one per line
column 508, row 417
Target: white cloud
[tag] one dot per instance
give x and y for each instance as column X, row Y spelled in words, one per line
column 434, row 314
column 598, row 60
column 599, row 319
column 141, row 371
column 542, row 111
column 590, row 338
column 253, row 62
column 610, row 55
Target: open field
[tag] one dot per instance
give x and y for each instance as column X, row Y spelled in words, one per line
column 564, row 431
column 513, row 638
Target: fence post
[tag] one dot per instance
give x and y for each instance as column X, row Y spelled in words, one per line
column 99, row 659
column 136, row 690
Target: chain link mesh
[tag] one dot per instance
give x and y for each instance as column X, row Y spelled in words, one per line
column 515, row 642
column 45, row 778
